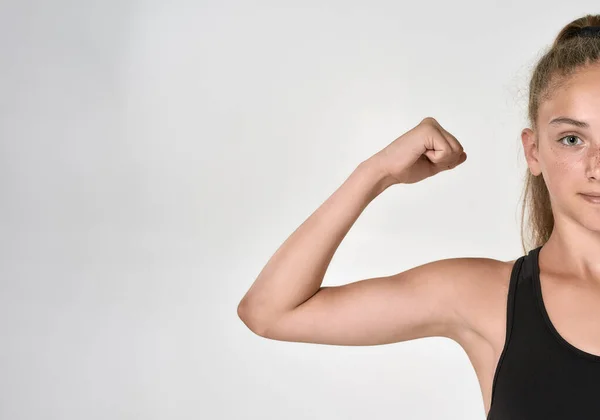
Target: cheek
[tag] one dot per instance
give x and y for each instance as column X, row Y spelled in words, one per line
column 560, row 171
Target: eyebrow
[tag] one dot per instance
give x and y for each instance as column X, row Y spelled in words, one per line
column 566, row 120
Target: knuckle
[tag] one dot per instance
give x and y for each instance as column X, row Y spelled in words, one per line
column 428, row 128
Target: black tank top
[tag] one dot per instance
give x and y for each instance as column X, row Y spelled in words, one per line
column 539, row 374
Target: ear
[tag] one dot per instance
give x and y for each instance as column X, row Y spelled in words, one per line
column 531, row 150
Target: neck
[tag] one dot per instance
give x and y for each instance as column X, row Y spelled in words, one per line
column 574, row 251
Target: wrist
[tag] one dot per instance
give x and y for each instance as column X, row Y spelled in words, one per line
column 373, row 169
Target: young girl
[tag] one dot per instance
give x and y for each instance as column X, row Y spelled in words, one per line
column 530, row 326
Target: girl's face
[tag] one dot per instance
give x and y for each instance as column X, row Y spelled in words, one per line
column 567, row 152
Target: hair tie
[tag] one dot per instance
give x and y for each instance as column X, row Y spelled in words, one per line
column 589, row 31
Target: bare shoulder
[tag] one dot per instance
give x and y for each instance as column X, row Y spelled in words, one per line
column 484, row 307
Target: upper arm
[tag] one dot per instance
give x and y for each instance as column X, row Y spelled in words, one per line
column 425, row 301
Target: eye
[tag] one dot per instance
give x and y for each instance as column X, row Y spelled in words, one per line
column 571, row 136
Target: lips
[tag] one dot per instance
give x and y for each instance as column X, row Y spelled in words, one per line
column 592, row 194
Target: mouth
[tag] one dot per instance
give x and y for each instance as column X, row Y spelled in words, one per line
column 595, row 199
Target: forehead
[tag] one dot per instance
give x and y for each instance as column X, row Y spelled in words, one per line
column 577, row 97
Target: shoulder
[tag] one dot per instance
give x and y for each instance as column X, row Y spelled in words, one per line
column 470, row 294
column 478, row 278
column 483, row 304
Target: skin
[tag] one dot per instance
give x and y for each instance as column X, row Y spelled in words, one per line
column 570, row 166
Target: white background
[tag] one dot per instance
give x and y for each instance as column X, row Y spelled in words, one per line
column 154, row 155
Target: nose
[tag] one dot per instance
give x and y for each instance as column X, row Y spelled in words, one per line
column 593, row 162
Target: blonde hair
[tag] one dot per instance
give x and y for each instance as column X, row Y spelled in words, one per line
column 568, row 54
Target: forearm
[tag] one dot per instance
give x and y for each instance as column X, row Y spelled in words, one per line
column 296, row 271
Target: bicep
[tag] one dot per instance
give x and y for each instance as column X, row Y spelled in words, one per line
column 423, row 301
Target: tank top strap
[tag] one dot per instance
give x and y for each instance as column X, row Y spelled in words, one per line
column 515, row 279
column 522, row 316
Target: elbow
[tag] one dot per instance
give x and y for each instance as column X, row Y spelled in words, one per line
column 244, row 313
